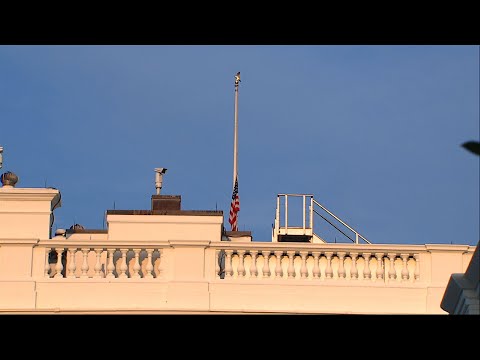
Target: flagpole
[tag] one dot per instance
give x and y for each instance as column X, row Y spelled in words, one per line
column 235, row 131
column 235, row 204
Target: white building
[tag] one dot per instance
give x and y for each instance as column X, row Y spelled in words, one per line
column 166, row 260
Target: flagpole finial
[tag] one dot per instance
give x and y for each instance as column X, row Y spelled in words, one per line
column 237, row 78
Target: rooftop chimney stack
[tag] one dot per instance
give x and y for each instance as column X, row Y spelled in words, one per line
column 159, row 178
column 164, row 203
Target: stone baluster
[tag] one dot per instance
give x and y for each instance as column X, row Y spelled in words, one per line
column 59, row 266
column 392, row 273
column 217, row 264
column 266, row 265
column 46, row 269
column 85, row 266
column 353, row 269
column 136, row 264
column 253, row 265
column 98, row 265
column 228, row 264
column 161, row 264
column 367, row 273
column 329, row 270
column 291, row 266
column 316, row 267
column 278, row 267
column 341, row 265
column 72, row 266
column 111, row 264
column 379, row 271
column 241, row 265
column 303, row 268
column 417, row 267
column 405, row 274
column 149, row 265
column 124, row 265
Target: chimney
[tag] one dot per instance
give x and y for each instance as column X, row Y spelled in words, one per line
column 166, row 202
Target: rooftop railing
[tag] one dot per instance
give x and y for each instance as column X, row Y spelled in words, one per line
column 309, row 207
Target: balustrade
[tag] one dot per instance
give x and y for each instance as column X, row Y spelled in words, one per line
column 238, row 263
column 318, row 265
column 86, row 262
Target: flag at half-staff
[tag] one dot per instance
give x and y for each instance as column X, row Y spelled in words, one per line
column 234, row 208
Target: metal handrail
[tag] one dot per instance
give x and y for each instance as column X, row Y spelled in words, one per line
column 277, row 216
column 311, row 211
column 357, row 235
column 324, row 218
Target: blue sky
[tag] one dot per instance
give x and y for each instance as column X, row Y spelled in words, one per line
column 373, row 132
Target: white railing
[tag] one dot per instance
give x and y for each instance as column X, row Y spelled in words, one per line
column 306, row 213
column 93, row 260
column 239, row 261
column 88, row 276
column 307, row 219
column 357, row 235
column 317, row 262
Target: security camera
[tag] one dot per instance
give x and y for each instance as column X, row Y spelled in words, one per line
column 159, row 178
column 161, row 170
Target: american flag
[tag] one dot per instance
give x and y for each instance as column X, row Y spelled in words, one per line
column 234, row 207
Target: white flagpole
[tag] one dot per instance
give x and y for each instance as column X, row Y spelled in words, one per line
column 235, row 136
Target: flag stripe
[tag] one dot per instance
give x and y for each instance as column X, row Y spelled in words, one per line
column 234, row 207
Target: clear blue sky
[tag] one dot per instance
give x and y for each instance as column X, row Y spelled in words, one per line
column 373, row 132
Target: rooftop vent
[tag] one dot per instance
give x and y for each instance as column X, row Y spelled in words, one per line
column 60, row 232
column 77, row 227
column 9, row 179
